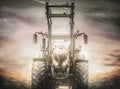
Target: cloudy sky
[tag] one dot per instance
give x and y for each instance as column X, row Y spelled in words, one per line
column 19, row 19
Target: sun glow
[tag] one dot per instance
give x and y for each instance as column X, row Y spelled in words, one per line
column 95, row 65
column 85, row 54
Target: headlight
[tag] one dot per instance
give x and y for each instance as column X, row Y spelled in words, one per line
column 82, row 55
column 65, row 63
column 55, row 63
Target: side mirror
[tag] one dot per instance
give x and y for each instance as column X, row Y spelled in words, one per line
column 34, row 38
column 85, row 39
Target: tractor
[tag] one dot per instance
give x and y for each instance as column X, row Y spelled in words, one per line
column 60, row 64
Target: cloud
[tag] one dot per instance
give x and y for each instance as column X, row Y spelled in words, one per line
column 17, row 26
column 21, row 15
column 114, row 59
column 2, row 70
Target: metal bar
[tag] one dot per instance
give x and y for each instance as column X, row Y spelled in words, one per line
column 80, row 60
column 39, row 59
column 72, row 30
column 59, row 15
column 63, row 6
column 49, row 28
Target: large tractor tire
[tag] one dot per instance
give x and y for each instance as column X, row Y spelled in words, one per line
column 39, row 80
column 38, row 75
column 81, row 74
